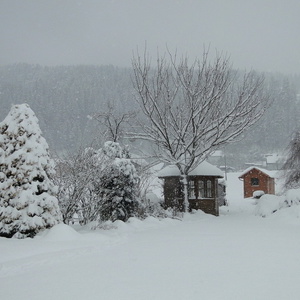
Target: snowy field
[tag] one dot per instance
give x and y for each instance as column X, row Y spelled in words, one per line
column 235, row 256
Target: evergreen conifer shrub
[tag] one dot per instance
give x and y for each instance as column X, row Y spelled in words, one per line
column 27, row 194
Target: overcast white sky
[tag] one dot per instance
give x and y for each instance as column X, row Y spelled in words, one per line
column 259, row 34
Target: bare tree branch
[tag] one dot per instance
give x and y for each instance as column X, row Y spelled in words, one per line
column 114, row 122
column 194, row 109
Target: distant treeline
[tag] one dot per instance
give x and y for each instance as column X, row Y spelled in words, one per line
column 63, row 97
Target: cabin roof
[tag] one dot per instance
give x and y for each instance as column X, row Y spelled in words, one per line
column 203, row 169
column 271, row 174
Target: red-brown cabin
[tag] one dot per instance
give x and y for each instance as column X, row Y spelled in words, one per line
column 257, row 179
column 203, row 188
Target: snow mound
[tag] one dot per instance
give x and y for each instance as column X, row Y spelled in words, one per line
column 288, row 214
column 293, row 197
column 258, row 194
column 136, row 225
column 288, row 204
column 268, row 204
column 62, row 232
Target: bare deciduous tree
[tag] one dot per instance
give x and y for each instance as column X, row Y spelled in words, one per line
column 291, row 166
column 77, row 174
column 192, row 110
column 114, row 122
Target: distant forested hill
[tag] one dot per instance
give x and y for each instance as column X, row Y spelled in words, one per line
column 62, row 98
column 273, row 132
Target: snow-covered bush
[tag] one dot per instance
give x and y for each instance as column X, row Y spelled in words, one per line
column 258, row 194
column 114, row 150
column 117, row 186
column 269, row 204
column 152, row 206
column 292, row 197
column 98, row 185
column 27, row 193
column 156, row 210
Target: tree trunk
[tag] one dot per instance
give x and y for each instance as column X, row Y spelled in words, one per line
column 184, row 181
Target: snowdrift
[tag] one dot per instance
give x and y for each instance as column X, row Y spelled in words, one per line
column 288, row 204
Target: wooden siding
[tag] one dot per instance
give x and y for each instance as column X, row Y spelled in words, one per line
column 265, row 183
column 209, row 206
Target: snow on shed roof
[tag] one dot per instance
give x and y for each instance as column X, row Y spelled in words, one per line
column 267, row 172
column 203, row 169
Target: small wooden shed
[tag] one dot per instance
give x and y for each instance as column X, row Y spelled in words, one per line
column 257, row 179
column 203, row 188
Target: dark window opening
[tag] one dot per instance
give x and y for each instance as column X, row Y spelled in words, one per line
column 254, row 181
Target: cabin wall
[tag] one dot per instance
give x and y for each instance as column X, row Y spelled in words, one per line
column 207, row 204
column 173, row 195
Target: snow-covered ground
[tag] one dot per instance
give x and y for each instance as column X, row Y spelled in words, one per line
column 235, row 256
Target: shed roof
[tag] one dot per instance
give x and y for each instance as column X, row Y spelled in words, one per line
column 271, row 174
column 203, row 169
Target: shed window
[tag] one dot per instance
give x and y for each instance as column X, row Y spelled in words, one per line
column 208, row 189
column 254, row 181
column 192, row 189
column 201, row 189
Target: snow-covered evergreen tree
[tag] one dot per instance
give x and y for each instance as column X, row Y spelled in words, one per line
column 117, row 185
column 27, row 194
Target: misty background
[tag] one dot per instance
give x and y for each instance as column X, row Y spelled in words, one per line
column 69, row 58
column 259, row 34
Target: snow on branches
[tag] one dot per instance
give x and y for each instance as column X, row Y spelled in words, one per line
column 27, row 194
column 118, row 185
column 98, row 185
column 193, row 109
column 291, row 166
